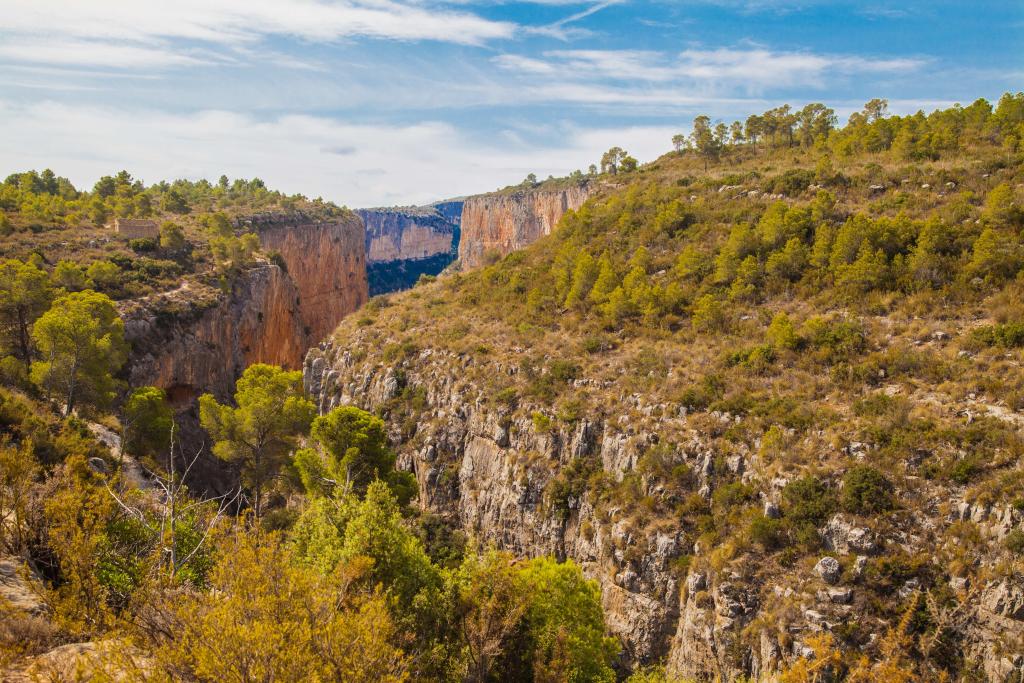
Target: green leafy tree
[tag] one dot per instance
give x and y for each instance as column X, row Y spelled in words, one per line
column 584, row 276
column 704, row 140
column 81, row 345
column 1001, row 207
column 606, row 282
column 782, row 333
column 70, row 276
column 876, row 109
column 612, row 160
column 147, row 421
column 708, row 314
column 271, row 413
column 866, row 491
column 25, row 293
column 175, row 202
column 489, row 606
column 351, row 451
column 103, row 274
column 565, row 623
column 172, row 237
column 996, row 255
column 269, row 618
column 400, row 564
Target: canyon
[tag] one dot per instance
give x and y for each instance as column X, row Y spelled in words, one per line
column 488, row 468
column 403, row 243
column 502, row 222
column 200, row 337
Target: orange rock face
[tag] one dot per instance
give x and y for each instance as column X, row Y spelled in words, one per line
column 198, row 338
column 503, row 223
column 327, row 263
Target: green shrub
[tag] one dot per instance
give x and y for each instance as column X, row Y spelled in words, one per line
column 564, row 370
column 1015, row 542
column 866, row 491
column 507, row 396
column 278, row 260
column 835, row 341
column 808, row 500
column 768, row 533
column 142, row 244
column 402, row 351
column 733, row 494
column 790, row 183
column 1008, row 335
column 963, row 470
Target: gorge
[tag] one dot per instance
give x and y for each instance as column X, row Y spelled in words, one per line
column 403, row 243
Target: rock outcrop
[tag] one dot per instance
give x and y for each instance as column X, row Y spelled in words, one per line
column 521, row 483
column 502, row 222
column 491, row 472
column 327, row 262
column 198, row 338
column 400, row 233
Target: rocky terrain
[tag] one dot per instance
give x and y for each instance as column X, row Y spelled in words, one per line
column 503, row 222
column 491, row 470
column 545, row 431
column 199, row 338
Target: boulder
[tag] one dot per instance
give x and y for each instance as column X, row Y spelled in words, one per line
column 828, row 569
column 841, row 535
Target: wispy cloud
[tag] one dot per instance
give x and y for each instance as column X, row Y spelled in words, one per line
column 562, row 30
column 126, row 33
column 751, row 69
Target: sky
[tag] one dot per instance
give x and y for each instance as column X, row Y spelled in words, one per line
column 397, row 102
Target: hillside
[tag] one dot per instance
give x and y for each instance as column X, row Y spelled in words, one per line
column 704, row 383
column 751, row 411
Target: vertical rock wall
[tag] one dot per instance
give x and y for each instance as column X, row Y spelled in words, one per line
column 327, row 263
column 505, row 222
column 396, row 234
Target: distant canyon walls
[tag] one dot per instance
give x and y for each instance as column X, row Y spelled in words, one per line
column 502, row 222
column 396, row 234
column 403, row 243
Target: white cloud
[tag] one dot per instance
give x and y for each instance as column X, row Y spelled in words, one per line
column 98, row 32
column 94, row 53
column 750, row 69
column 354, row 164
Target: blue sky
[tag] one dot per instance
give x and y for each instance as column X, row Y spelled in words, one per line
column 374, row 102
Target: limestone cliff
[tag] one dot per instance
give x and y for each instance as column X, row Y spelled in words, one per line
column 197, row 338
column 504, row 222
column 327, row 263
column 489, row 467
column 200, row 338
column 394, row 234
